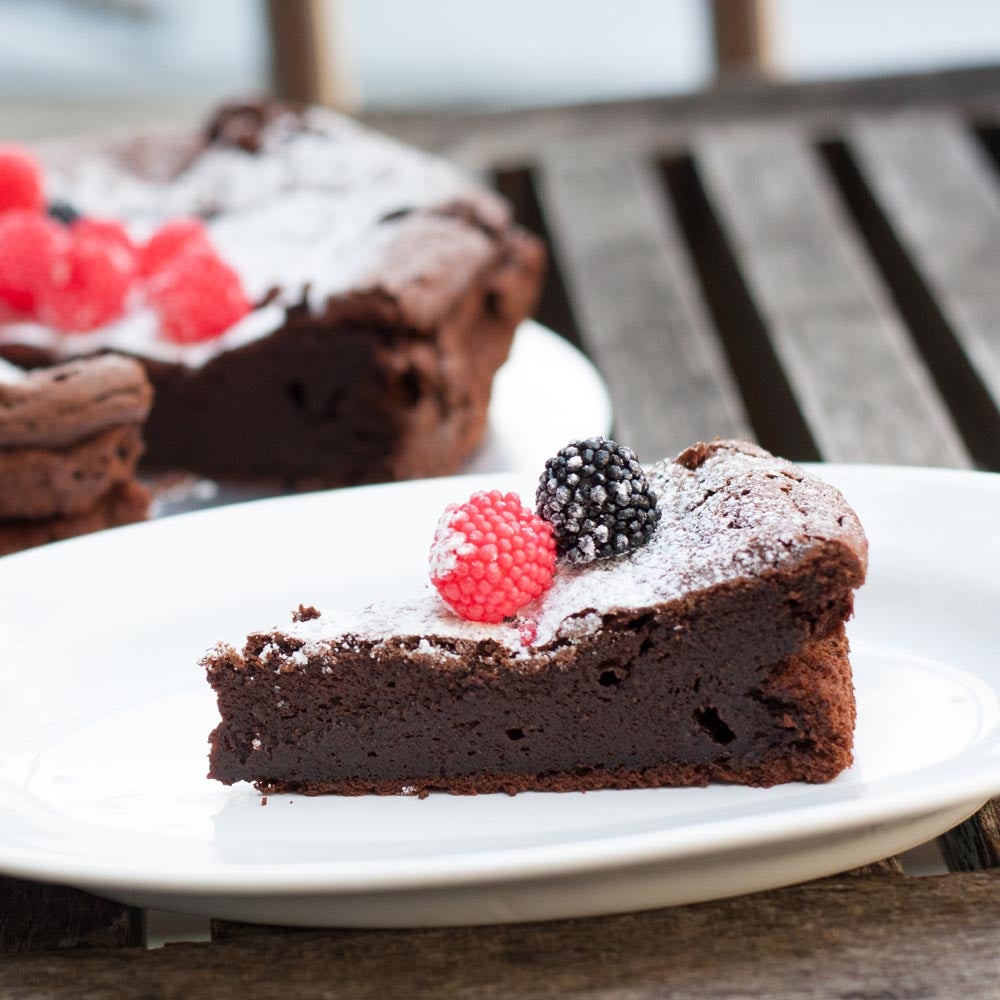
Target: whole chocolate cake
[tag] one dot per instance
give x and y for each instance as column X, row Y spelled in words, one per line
column 70, row 437
column 714, row 652
column 384, row 287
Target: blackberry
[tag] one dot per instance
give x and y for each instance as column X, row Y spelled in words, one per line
column 62, row 211
column 597, row 499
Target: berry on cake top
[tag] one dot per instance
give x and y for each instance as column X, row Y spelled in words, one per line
column 597, row 499
column 491, row 556
column 20, row 181
column 75, row 273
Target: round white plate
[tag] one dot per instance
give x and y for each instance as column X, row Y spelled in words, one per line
column 527, row 420
column 104, row 715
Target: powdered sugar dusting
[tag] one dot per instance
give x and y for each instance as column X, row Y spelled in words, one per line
column 738, row 513
column 449, row 543
column 10, row 374
column 306, row 218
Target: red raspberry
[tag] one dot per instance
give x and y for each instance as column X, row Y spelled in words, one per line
column 170, row 240
column 88, row 285
column 30, row 245
column 197, row 297
column 491, row 556
column 109, row 232
column 20, row 181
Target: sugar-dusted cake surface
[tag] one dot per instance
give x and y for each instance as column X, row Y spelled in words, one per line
column 387, row 287
column 70, row 438
column 731, row 511
column 716, row 652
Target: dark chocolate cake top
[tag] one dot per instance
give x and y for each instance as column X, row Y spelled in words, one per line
column 310, row 208
column 731, row 511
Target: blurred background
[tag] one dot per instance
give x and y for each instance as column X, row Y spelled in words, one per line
column 71, row 64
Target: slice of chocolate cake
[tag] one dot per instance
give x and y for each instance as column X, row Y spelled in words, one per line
column 716, row 652
column 70, row 437
column 385, row 286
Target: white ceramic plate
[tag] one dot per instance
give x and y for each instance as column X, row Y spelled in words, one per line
column 527, row 420
column 104, row 715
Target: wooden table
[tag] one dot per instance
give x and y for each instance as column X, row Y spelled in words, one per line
column 817, row 267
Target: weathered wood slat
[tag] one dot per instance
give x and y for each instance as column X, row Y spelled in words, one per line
column 554, row 309
column 943, row 200
column 852, row 937
column 513, row 139
column 36, row 917
column 637, row 307
column 975, row 843
column 770, row 403
column 940, row 197
column 865, row 393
